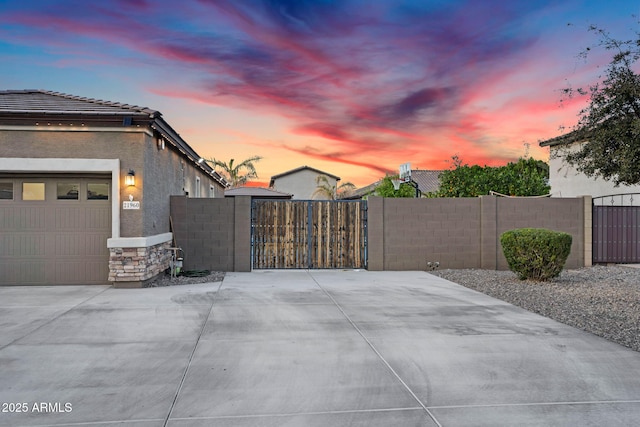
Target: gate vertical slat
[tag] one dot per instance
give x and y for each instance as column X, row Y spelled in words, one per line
column 308, row 234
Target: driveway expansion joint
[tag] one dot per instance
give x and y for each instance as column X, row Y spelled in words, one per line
column 375, row 350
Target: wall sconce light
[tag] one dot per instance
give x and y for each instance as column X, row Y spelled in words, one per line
column 130, row 179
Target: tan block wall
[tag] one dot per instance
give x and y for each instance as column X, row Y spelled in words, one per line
column 404, row 234
column 567, row 215
column 421, row 230
column 215, row 234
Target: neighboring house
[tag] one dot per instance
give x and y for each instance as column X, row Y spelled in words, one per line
column 566, row 181
column 363, row 192
column 256, row 193
column 428, row 182
column 84, row 189
column 301, row 182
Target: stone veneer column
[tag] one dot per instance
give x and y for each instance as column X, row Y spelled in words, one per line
column 133, row 261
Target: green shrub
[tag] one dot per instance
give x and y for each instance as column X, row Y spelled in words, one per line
column 536, row 253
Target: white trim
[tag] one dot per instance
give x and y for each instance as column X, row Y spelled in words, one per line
column 57, row 128
column 139, row 242
column 19, row 164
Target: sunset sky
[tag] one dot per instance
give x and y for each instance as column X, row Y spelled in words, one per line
column 351, row 87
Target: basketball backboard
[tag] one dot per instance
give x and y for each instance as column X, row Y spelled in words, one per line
column 405, row 172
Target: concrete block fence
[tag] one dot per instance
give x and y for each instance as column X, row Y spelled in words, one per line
column 403, row 234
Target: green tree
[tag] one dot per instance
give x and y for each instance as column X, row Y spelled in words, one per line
column 328, row 191
column 233, row 171
column 526, row 177
column 609, row 126
column 386, row 189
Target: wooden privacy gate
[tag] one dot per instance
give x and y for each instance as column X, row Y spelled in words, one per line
column 616, row 229
column 308, row 234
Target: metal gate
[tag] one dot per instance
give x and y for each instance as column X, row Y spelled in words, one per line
column 616, row 229
column 308, row 234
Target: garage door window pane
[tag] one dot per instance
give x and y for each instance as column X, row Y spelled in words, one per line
column 33, row 191
column 6, row 190
column 68, row 191
column 97, row 191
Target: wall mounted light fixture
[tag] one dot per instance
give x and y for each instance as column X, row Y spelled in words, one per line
column 130, row 179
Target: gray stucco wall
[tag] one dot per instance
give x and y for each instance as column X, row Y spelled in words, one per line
column 302, row 184
column 160, row 173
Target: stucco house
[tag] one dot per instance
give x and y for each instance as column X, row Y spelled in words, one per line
column 85, row 187
column 301, row 182
column 566, row 181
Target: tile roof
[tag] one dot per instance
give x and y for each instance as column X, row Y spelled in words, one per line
column 256, row 192
column 27, row 107
column 428, row 180
column 43, row 101
column 362, row 191
column 567, row 138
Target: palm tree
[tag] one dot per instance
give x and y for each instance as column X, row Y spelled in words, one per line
column 329, row 191
column 233, row 171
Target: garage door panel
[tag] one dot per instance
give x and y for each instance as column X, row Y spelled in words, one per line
column 96, row 244
column 69, row 218
column 54, row 241
column 74, row 272
column 33, row 218
column 96, row 218
column 33, row 245
column 32, row 272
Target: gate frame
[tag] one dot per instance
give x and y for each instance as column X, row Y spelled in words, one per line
column 623, row 197
column 309, row 202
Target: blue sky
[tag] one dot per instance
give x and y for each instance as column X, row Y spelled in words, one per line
column 354, row 88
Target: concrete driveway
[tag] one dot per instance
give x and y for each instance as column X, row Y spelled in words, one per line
column 298, row 348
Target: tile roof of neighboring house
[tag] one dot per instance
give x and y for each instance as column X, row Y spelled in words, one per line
column 301, row 168
column 257, row 192
column 362, row 191
column 567, row 138
column 35, row 107
column 428, row 180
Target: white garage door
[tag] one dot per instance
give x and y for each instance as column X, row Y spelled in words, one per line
column 54, row 230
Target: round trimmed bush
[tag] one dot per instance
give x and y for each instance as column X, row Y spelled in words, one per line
column 536, row 253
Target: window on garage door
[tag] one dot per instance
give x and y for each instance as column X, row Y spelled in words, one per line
column 68, row 190
column 33, row 191
column 6, row 190
column 97, row 191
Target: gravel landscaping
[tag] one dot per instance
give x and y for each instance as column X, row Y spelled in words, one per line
column 603, row 300
column 165, row 279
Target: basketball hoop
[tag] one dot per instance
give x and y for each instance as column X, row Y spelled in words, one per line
column 396, row 184
column 405, row 172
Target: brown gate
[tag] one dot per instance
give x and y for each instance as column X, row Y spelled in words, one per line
column 308, row 234
column 616, row 229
